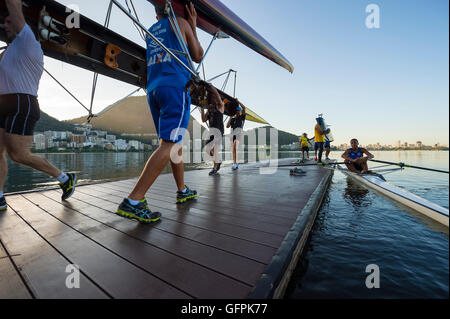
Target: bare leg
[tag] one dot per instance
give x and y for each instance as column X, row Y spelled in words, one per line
column 3, row 162
column 178, row 169
column 365, row 167
column 351, row 168
column 328, row 150
column 18, row 148
column 152, row 170
column 235, row 152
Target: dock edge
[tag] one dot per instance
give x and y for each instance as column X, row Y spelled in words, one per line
column 276, row 276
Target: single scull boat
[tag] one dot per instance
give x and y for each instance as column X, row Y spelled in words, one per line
column 421, row 205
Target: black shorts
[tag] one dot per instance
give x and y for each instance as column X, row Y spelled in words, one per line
column 357, row 166
column 305, row 148
column 19, row 113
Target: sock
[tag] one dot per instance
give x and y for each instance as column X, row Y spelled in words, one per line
column 1, row 194
column 133, row 202
column 63, row 178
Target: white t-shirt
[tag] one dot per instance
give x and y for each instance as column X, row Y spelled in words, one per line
column 22, row 65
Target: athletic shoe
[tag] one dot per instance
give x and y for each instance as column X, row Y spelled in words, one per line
column 213, row 172
column 183, row 197
column 327, row 159
column 69, row 186
column 316, row 159
column 218, row 167
column 297, row 172
column 235, row 167
column 3, row 205
column 140, row 212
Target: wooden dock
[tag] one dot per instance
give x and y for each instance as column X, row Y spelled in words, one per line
column 239, row 239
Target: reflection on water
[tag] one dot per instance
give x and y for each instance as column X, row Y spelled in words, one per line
column 356, row 195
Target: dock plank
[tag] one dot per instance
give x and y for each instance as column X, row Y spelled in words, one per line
column 254, row 251
column 194, row 217
column 12, row 286
column 117, row 277
column 43, row 268
column 234, row 266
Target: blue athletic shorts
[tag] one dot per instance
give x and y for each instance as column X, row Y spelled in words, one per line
column 170, row 109
column 327, row 144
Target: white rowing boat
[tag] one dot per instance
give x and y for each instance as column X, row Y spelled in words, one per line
column 419, row 204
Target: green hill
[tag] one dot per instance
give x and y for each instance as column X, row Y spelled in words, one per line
column 284, row 138
column 132, row 116
column 48, row 123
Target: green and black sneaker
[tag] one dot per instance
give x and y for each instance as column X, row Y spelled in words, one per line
column 183, row 197
column 3, row 205
column 68, row 187
column 140, row 212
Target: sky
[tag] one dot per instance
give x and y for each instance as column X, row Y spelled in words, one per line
column 379, row 85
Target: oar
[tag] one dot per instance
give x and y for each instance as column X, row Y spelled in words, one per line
column 309, row 164
column 410, row 166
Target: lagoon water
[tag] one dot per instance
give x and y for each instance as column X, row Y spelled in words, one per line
column 354, row 228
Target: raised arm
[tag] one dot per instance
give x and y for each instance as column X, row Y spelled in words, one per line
column 189, row 28
column 204, row 114
column 15, row 14
column 229, row 122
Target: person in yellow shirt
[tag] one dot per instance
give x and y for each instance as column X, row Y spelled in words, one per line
column 305, row 146
column 319, row 139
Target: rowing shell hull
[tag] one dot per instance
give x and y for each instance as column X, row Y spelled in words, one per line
column 402, row 196
column 214, row 16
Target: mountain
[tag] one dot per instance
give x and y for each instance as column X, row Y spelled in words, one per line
column 48, row 123
column 131, row 116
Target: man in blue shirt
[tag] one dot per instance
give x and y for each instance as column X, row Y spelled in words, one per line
column 355, row 160
column 169, row 102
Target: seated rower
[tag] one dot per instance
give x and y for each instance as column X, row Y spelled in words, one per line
column 355, row 160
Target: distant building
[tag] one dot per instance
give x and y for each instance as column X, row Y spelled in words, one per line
column 79, row 139
column 121, row 145
column 110, row 138
column 419, row 144
column 39, row 141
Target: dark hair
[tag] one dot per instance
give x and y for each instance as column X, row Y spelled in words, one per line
column 160, row 10
column 354, row 139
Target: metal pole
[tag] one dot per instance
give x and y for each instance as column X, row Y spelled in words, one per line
column 204, row 56
column 155, row 39
column 216, row 77
column 112, row 105
column 174, row 22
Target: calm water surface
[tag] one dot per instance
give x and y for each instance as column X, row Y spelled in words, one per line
column 355, row 227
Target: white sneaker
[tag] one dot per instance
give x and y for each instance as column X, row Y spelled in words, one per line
column 235, row 167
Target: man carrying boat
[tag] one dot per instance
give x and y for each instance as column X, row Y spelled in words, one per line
column 237, row 125
column 169, row 102
column 21, row 68
column 214, row 118
column 355, row 160
column 319, row 139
